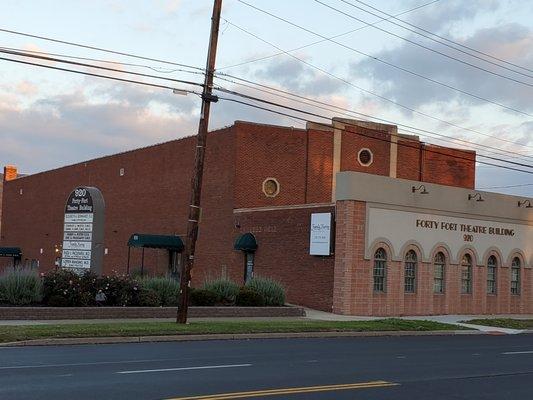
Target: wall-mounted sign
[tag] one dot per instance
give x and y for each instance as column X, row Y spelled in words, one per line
column 399, row 227
column 320, row 234
column 83, row 233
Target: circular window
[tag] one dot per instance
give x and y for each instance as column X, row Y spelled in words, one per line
column 271, row 187
column 365, row 157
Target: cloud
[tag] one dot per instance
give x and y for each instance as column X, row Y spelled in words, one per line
column 513, row 41
column 296, row 76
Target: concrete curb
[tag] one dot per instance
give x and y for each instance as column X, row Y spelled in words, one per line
column 231, row 336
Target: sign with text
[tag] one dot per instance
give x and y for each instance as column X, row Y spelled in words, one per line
column 320, row 234
column 428, row 230
column 83, row 230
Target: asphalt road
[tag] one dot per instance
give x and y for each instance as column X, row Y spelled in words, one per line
column 445, row 367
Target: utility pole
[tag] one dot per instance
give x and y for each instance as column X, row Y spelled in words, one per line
column 196, row 181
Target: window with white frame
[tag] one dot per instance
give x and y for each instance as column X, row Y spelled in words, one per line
column 492, row 264
column 438, row 280
column 466, row 274
column 515, row 276
column 410, row 271
column 380, row 268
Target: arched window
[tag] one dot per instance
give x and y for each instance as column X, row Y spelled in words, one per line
column 515, row 276
column 466, row 274
column 380, row 268
column 438, row 280
column 410, row 272
column 492, row 263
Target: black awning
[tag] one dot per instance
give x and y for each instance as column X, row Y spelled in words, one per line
column 173, row 243
column 246, row 242
column 10, row 252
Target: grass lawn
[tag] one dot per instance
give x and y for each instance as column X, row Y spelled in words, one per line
column 504, row 323
column 26, row 332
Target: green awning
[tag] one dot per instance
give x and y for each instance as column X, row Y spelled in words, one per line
column 246, row 242
column 10, row 252
column 173, row 243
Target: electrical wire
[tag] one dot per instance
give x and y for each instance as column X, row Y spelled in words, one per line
column 98, row 49
column 322, row 70
column 366, row 54
column 325, row 40
column 507, row 186
column 372, row 137
column 429, row 48
column 350, row 113
column 395, row 17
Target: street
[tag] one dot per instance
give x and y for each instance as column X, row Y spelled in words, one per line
column 440, row 367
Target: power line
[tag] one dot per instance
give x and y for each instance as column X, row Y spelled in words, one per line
column 264, row 108
column 372, row 137
column 438, row 36
column 429, row 48
column 144, row 75
column 98, row 75
column 17, row 53
column 273, row 45
column 98, row 49
column 506, row 187
column 325, row 40
column 322, row 70
column 344, row 111
column 365, row 54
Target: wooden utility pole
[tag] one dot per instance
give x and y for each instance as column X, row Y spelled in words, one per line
column 196, row 181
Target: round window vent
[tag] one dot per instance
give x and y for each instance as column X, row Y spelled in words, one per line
column 365, row 157
column 271, row 187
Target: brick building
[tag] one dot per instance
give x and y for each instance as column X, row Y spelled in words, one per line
column 384, row 256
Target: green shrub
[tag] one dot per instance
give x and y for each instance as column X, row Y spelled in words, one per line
column 225, row 290
column 202, row 298
column 20, row 287
column 149, row 298
column 120, row 290
column 61, row 287
column 249, row 298
column 271, row 290
column 168, row 290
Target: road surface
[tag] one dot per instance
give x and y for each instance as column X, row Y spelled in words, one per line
column 424, row 367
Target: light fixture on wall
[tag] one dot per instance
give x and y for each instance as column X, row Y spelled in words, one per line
column 476, row 197
column 525, row 203
column 421, row 189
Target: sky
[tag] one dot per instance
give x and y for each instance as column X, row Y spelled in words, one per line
column 52, row 118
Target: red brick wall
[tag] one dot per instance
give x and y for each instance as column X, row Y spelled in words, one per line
column 283, row 254
column 269, row 152
column 354, row 138
column 151, row 197
column 353, row 280
column 408, row 161
column 319, row 166
column 448, row 166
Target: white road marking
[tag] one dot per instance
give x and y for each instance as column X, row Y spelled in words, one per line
column 519, row 352
column 141, row 371
column 88, row 364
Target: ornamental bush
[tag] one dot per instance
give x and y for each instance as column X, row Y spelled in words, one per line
column 202, row 298
column 119, row 290
column 62, row 288
column 225, row 289
column 249, row 298
column 20, row 287
column 167, row 289
column 149, row 298
column 271, row 290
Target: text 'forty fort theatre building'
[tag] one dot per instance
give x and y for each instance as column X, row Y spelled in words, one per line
column 352, row 218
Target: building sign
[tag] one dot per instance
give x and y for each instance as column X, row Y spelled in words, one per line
column 83, row 231
column 428, row 230
column 320, row 234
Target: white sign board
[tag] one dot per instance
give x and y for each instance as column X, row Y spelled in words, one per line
column 398, row 227
column 320, row 234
